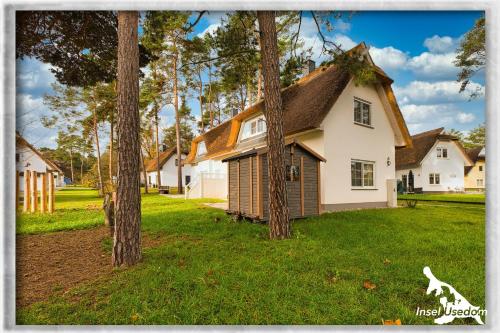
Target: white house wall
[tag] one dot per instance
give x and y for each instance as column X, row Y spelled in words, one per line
column 29, row 160
column 343, row 140
column 168, row 173
column 451, row 169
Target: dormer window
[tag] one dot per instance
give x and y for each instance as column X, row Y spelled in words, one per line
column 362, row 112
column 202, row 149
column 253, row 127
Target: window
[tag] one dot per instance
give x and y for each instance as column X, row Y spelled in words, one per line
column 480, row 168
column 292, row 173
column 362, row 174
column 253, row 127
column 17, row 157
column 480, row 182
column 434, row 179
column 442, row 152
column 202, row 149
column 176, row 162
column 362, row 113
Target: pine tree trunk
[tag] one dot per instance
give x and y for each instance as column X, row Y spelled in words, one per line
column 111, row 137
column 177, row 129
column 81, row 170
column 144, row 173
column 127, row 234
column 158, row 169
column 279, row 225
column 211, row 112
column 98, row 149
column 200, row 97
column 259, row 83
column 71, row 165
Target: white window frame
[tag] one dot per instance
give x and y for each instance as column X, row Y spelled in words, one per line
column 362, row 103
column 434, row 174
column 363, row 163
column 479, row 182
column 201, row 149
column 441, row 151
column 258, row 124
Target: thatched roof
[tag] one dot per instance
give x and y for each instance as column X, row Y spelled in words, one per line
column 475, row 154
column 305, row 105
column 151, row 165
column 411, row 157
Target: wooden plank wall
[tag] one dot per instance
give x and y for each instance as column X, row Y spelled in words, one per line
column 233, row 188
column 245, row 185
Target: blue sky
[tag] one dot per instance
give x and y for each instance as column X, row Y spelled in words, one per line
column 416, row 49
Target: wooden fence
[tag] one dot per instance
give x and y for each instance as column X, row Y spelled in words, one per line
column 34, row 200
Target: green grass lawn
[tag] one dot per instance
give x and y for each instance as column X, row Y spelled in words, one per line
column 451, row 197
column 230, row 273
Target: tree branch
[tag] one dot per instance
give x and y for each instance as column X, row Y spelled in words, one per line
column 192, row 25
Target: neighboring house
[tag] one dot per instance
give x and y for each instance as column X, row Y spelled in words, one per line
column 168, row 169
column 355, row 128
column 435, row 163
column 475, row 175
column 28, row 158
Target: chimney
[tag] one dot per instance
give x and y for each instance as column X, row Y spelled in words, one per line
column 235, row 112
column 163, row 147
column 308, row 67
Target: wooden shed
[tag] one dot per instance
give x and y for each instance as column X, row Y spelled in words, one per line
column 248, row 182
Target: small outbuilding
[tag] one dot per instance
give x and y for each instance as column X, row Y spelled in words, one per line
column 248, row 182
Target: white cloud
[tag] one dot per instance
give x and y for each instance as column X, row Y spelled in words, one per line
column 389, row 57
column 465, row 118
column 210, row 29
column 425, row 117
column 438, row 44
column 342, row 25
column 433, row 66
column 33, row 76
column 422, row 92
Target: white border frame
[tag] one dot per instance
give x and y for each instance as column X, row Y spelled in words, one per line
column 7, row 145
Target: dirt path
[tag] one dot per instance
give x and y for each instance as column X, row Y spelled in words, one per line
column 55, row 262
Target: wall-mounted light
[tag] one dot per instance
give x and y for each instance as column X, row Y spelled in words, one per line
column 388, row 161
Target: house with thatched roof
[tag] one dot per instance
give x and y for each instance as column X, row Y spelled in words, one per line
column 475, row 175
column 168, row 169
column 434, row 163
column 355, row 128
column 28, row 159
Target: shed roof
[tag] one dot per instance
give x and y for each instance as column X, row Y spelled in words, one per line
column 264, row 150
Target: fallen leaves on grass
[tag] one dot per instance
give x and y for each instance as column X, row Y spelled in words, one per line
column 367, row 284
column 387, row 261
column 391, row 322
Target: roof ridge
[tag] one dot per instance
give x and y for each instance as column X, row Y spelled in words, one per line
column 428, row 132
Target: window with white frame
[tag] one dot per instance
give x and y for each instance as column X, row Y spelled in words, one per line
column 480, row 182
column 434, row 179
column 362, row 173
column 254, row 127
column 362, row 113
column 442, row 152
column 202, row 149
